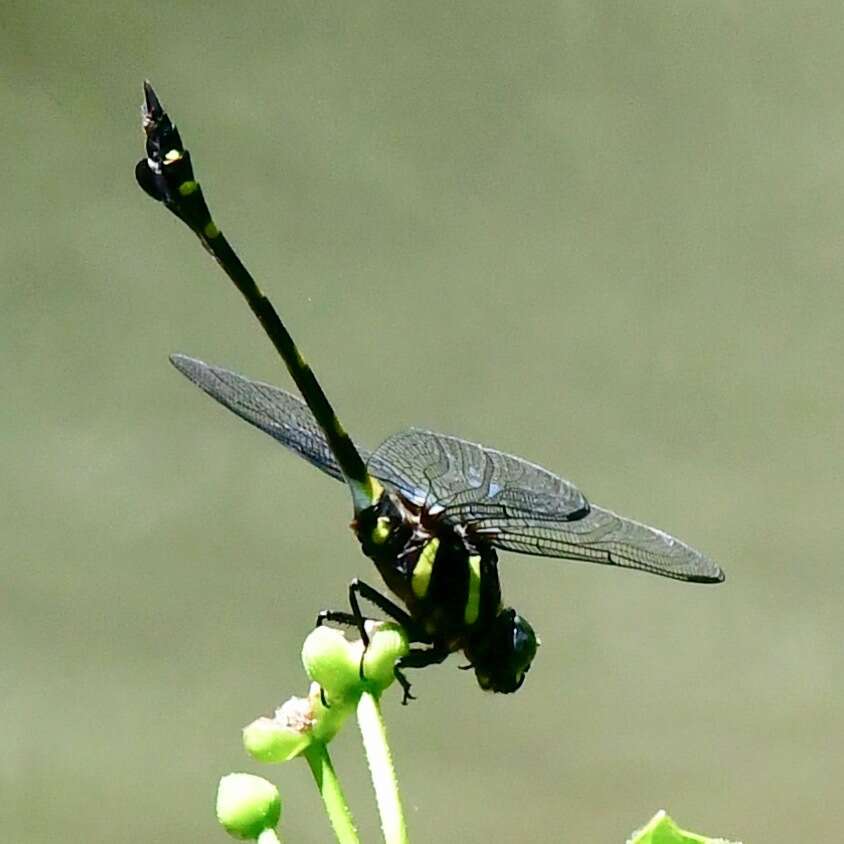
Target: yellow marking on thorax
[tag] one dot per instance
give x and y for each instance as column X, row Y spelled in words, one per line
column 421, row 578
column 473, row 598
column 188, row 187
column 381, row 531
column 375, row 489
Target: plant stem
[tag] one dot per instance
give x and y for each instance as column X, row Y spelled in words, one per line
column 332, row 793
column 374, row 734
column 268, row 836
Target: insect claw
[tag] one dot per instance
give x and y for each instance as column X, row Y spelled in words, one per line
column 405, row 685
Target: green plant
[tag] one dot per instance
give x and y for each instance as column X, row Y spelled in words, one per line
column 345, row 678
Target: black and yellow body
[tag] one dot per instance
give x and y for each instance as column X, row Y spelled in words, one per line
column 167, row 175
column 451, row 589
column 449, row 586
column 429, row 510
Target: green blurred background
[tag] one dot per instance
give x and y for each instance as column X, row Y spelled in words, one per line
column 604, row 235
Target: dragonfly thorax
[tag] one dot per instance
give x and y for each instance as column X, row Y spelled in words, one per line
column 449, row 584
column 450, row 587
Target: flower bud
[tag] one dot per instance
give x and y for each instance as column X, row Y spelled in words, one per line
column 387, row 644
column 247, row 805
column 277, row 739
column 331, row 660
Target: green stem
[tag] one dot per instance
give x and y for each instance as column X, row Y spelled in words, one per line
column 374, row 734
column 269, row 836
column 332, row 793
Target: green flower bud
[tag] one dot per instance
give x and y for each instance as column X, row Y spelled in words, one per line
column 387, row 644
column 282, row 738
column 331, row 661
column 247, row 805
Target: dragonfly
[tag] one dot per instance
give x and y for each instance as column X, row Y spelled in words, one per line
column 431, row 511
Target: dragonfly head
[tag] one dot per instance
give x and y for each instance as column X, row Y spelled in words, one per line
column 503, row 656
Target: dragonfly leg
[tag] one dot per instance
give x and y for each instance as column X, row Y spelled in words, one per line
column 356, row 618
column 357, row 588
column 337, row 617
column 417, row 658
column 405, row 686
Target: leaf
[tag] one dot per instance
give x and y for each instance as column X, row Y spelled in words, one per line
column 660, row 829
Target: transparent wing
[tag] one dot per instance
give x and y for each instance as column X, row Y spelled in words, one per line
column 601, row 537
column 518, row 506
column 283, row 416
column 508, row 502
column 461, row 481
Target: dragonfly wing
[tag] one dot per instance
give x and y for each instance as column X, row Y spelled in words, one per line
column 518, row 506
column 459, row 480
column 600, row 537
column 276, row 412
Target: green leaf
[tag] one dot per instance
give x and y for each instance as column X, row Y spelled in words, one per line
column 661, row 829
